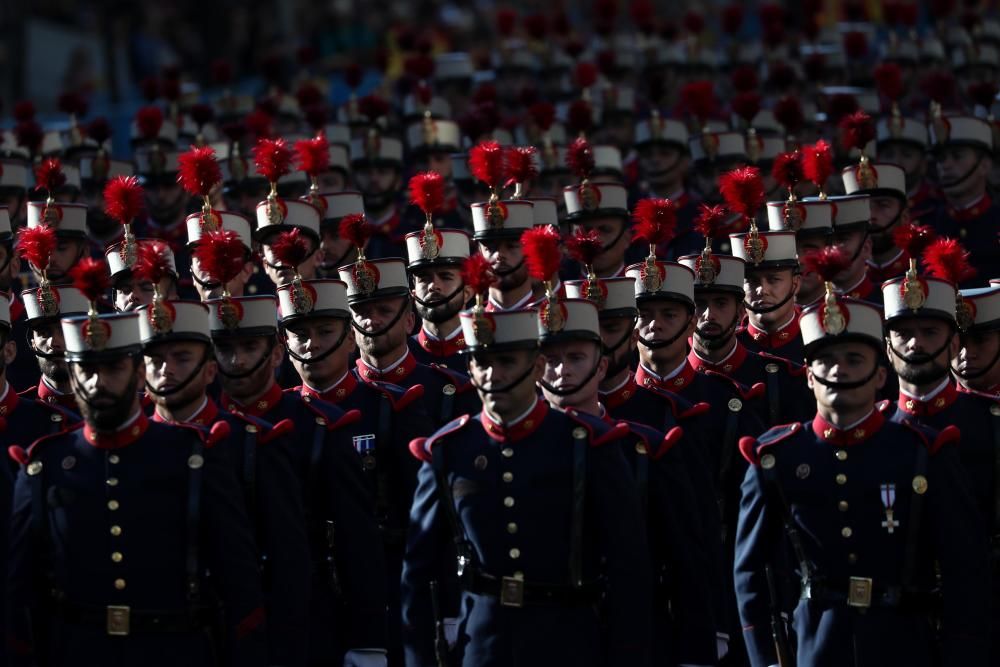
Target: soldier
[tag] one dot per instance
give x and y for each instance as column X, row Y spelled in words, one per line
column 154, row 146
column 128, row 290
column 21, row 371
column 851, row 222
column 207, row 288
column 70, row 224
column 975, row 366
column 165, row 498
column 849, row 491
column 529, row 593
column 885, row 184
column 335, row 252
column 812, row 221
column 377, row 165
column 14, row 185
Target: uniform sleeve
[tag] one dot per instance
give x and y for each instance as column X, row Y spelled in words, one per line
column 756, row 537
column 232, row 557
column 359, row 554
column 613, row 503
column 963, row 554
column 21, row 562
column 424, row 548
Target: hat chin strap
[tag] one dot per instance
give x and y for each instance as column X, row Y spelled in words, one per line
column 963, row 177
column 446, row 299
column 885, row 230
column 723, row 336
column 505, row 388
column 318, row 358
column 607, row 350
column 986, row 369
column 256, row 366
column 846, row 386
column 660, row 344
column 391, row 324
column 567, row 391
column 610, row 244
column 182, row 385
column 923, row 358
column 769, row 309
column 510, row 270
column 38, row 353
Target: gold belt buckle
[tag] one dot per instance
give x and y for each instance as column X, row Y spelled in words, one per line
column 512, row 592
column 859, row 592
column 118, row 620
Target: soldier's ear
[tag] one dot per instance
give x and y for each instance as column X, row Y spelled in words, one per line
column 796, row 283
column 277, row 355
column 9, row 352
column 539, row 366
column 602, row 369
column 211, row 369
column 15, row 264
column 881, row 375
column 809, row 378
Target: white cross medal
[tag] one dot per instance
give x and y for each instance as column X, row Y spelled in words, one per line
column 888, row 500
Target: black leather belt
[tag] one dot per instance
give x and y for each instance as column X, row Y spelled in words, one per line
column 122, row 621
column 514, row 592
column 863, row 592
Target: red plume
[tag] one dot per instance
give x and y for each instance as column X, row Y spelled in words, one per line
column 580, row 158
column 313, row 155
column 983, row 93
column 788, row 112
column 536, row 25
column 307, row 95
column 72, row 103
column 710, row 220
column 543, row 113
column 698, row 99
column 29, row 134
column 202, row 114
column 373, row 107
column 49, row 176
column 939, row 85
column 152, row 261
column 221, row 254
column 694, row 22
column 580, row 117
column 826, row 263
column 817, row 163
column 486, row 162
column 506, row 20
column 655, row 220
column 947, row 259
column 855, row 45
column 36, row 245
column 521, row 164
column 889, row 80
column 291, row 247
column 743, row 190
column 355, row 229
column 353, row 75
column 222, row 72
column 477, row 273
column 744, row 79
column 24, row 110
column 123, row 198
column 99, row 130
column 746, row 105
column 258, row 123
column 913, row 238
column 149, row 120
column 585, row 75
column 541, row 251
column 273, row 158
column 787, row 169
column 91, row 277
column 584, row 245
column 858, row 130
column 427, row 191
column 198, row 171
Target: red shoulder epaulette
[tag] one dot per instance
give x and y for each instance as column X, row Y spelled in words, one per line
column 751, row 447
column 672, row 437
column 405, row 400
column 421, row 447
column 949, row 435
column 746, row 393
column 284, row 427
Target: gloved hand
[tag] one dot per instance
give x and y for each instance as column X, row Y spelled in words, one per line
column 365, row 657
column 722, row 644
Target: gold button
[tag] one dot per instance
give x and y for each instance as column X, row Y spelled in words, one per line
column 116, row 556
column 512, row 528
column 119, row 584
column 852, row 558
column 195, row 461
column 767, row 461
column 448, row 390
column 518, row 574
column 113, row 459
column 842, row 505
column 116, row 530
column 846, row 531
column 508, row 502
column 112, row 505
column 56, row 418
column 507, row 452
column 841, row 479
column 321, row 421
column 771, row 368
column 250, row 428
column 515, row 553
column 579, row 433
column 34, row 468
column 995, row 409
column 508, row 477
column 112, row 481
column 841, row 454
column 735, row 405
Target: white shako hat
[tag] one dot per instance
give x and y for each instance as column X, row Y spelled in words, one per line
column 568, row 319
column 45, row 303
column 5, row 310
column 117, row 266
column 724, row 275
column 501, row 330
column 595, row 200
column 340, row 204
column 659, row 130
column 806, row 217
column 69, row 220
column 173, row 320
column 289, row 213
column 712, row 146
column 375, row 279
column 6, row 234
column 545, row 210
column 851, row 212
column 983, row 307
column 14, row 174
column 511, row 218
column 377, row 149
column 614, row 297
column 104, row 336
column 662, row 280
column 233, row 222
column 448, row 246
column 840, row 321
column 877, row 179
column 901, row 129
column 98, row 169
column 961, row 130
column 779, row 250
column 924, row 296
column 312, row 298
column 433, row 135
column 243, row 316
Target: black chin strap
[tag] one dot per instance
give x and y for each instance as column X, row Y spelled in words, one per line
column 668, row 169
column 256, row 366
column 566, row 391
column 770, row 309
column 317, row 358
column 967, row 174
column 446, row 299
column 923, row 357
column 723, row 336
column 610, row 350
column 861, row 246
column 38, row 353
column 511, row 270
column 500, row 390
column 659, row 344
column 205, row 284
column 965, row 375
column 615, row 240
column 845, row 386
column 182, row 385
column 392, row 323
column 885, row 230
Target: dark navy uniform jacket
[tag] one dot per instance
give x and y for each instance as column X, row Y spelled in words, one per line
column 103, row 520
column 42, row 393
column 445, row 352
column 347, row 601
column 786, row 342
column 512, row 489
column 838, row 486
column 978, row 229
column 24, row 371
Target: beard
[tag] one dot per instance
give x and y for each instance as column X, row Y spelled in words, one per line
column 439, row 311
column 105, row 411
column 882, row 242
column 618, row 361
column 377, row 201
column 54, row 369
column 511, row 280
column 922, row 372
column 376, row 346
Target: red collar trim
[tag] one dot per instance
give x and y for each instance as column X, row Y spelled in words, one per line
column 727, row 367
column 259, row 408
column 207, row 416
column 991, row 391
column 687, row 373
column 918, row 408
column 9, row 403
column 47, row 394
column 16, row 309
column 389, row 226
column 337, row 392
column 395, row 376
column 621, row 395
column 827, row 432
column 975, row 211
column 779, row 338
column 522, row 429
column 863, row 289
column 118, row 439
column 441, row 347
